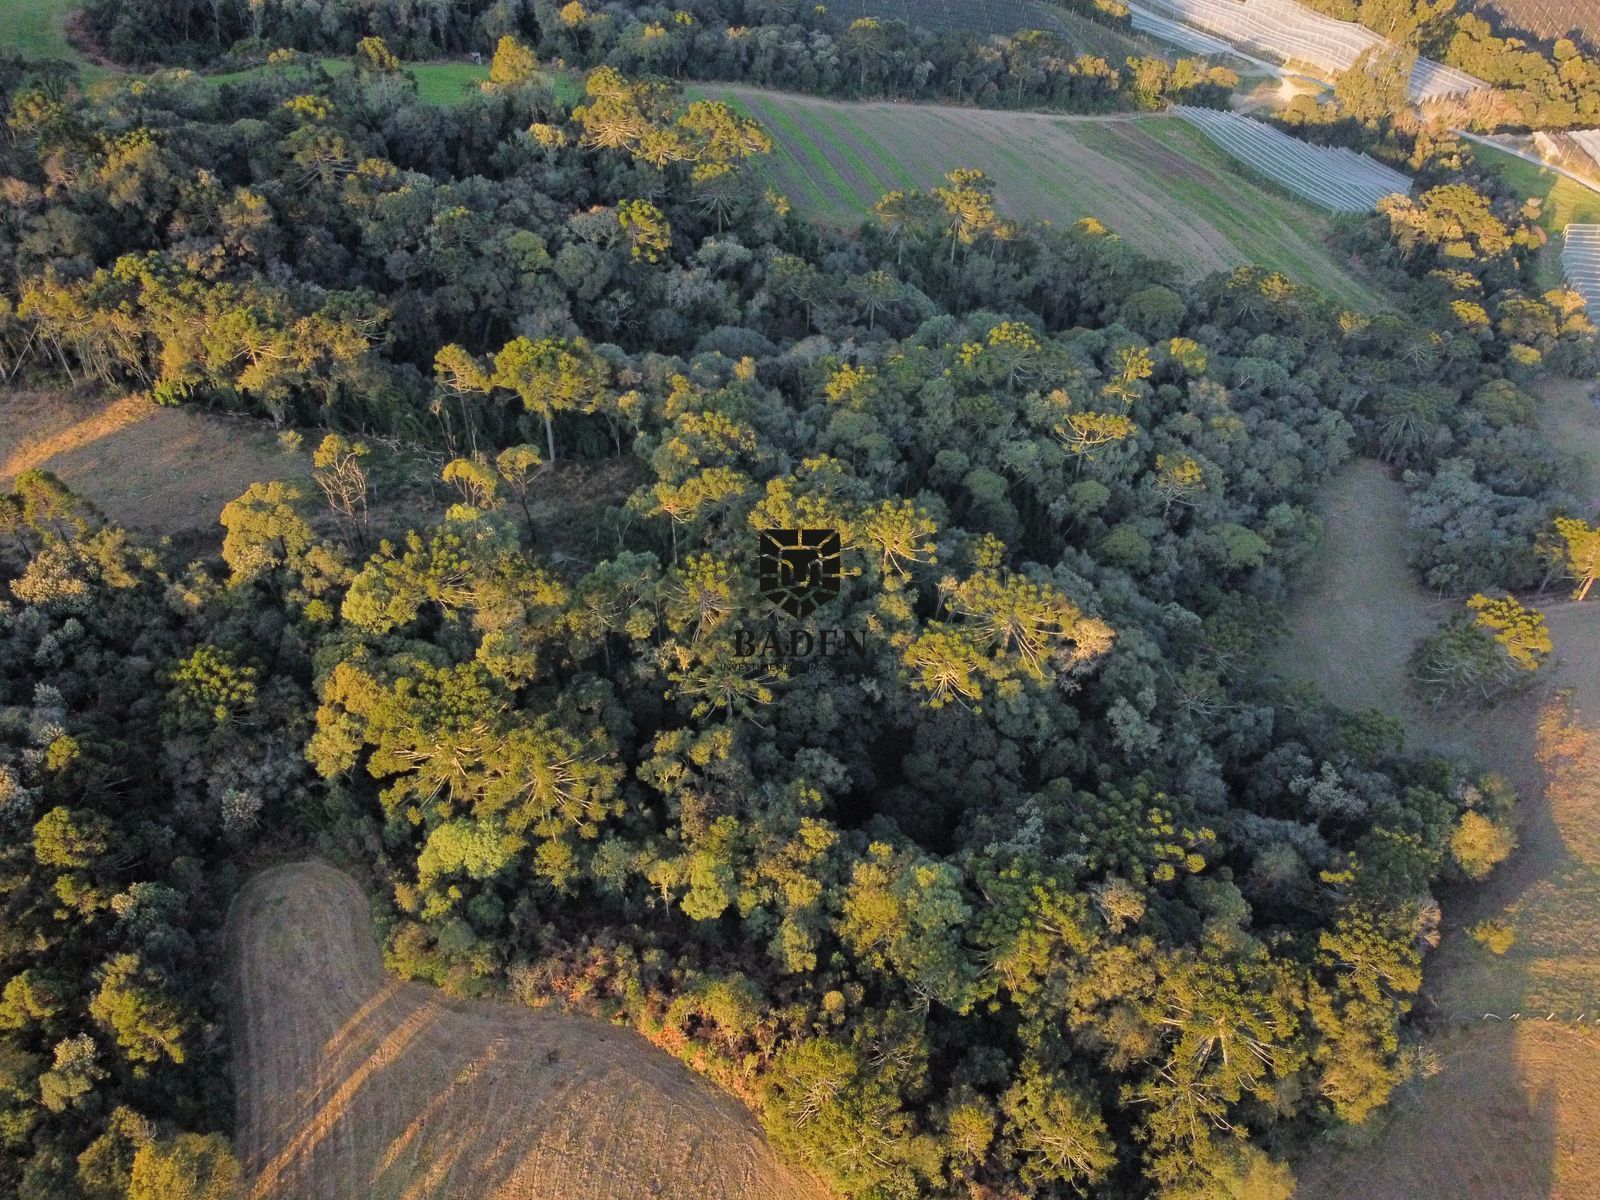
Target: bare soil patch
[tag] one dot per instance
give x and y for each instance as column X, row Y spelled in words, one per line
column 354, row 1084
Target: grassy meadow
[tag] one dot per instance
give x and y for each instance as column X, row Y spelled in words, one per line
column 1512, row 1036
column 36, row 28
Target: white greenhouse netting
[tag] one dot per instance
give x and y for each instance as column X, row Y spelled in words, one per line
column 1580, row 259
column 1589, row 142
column 1292, row 31
column 1339, row 180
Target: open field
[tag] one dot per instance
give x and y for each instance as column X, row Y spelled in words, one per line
column 1158, row 183
column 443, row 83
column 36, row 28
column 170, row 470
column 1507, row 1118
column 163, row 470
column 1570, row 419
column 352, row 1083
column 1509, row 1115
column 1359, row 616
column 1566, row 202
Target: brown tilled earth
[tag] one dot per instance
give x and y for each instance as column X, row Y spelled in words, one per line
column 353, row 1085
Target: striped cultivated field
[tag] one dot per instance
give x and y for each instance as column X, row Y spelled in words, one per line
column 1333, row 178
column 1294, row 33
column 352, row 1083
column 1152, row 179
column 1580, row 261
column 1547, row 18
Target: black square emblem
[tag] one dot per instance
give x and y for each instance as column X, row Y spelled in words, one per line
column 800, row 568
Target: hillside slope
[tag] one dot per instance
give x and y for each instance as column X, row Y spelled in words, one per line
column 352, row 1083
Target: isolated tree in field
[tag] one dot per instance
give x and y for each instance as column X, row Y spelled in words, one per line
column 1494, row 647
column 1480, row 844
column 516, row 466
column 513, row 64
column 477, row 482
column 1521, row 632
column 552, row 375
column 458, row 375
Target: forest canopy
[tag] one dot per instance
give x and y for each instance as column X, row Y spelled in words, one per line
column 1048, row 890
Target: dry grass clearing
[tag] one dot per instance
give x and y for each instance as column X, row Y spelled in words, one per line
column 1360, row 614
column 354, row 1084
column 164, row 470
column 1570, row 417
column 1156, row 182
column 1509, row 1116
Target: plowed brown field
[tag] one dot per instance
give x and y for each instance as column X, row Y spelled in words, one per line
column 353, row 1085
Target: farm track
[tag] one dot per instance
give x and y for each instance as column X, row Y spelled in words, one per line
column 354, row 1084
